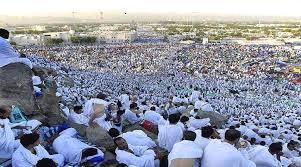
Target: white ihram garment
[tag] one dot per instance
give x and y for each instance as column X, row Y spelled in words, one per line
column 169, row 135
column 142, row 157
column 222, row 154
column 185, row 149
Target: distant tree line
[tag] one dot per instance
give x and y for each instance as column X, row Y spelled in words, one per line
column 13, row 43
column 78, row 39
column 28, row 32
column 54, row 41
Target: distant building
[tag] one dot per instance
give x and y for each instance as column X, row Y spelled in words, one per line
column 189, row 34
column 145, row 28
column 108, row 28
column 161, row 29
column 187, row 42
column 284, row 34
column 240, row 41
column 38, row 28
column 24, row 40
column 116, row 36
column 175, row 38
column 293, row 41
column 265, row 41
column 59, row 35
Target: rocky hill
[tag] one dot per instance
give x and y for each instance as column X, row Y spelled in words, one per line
column 16, row 89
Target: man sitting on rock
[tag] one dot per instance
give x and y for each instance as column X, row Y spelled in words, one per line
column 8, row 143
column 8, row 54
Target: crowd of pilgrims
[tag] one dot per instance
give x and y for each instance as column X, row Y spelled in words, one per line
column 164, row 86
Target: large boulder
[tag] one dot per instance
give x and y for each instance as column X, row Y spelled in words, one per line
column 48, row 104
column 43, row 72
column 215, row 118
column 81, row 129
column 16, row 87
column 100, row 137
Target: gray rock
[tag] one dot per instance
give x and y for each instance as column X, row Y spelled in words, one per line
column 16, row 87
column 215, row 118
column 81, row 129
column 100, row 137
column 43, row 72
column 130, row 128
column 48, row 104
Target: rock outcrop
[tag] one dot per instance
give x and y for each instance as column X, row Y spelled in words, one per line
column 130, row 128
column 81, row 129
column 16, row 89
column 100, row 137
column 95, row 135
column 215, row 118
column 48, row 104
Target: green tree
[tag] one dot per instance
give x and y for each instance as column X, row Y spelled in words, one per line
column 13, row 43
column 236, row 34
column 172, row 30
column 54, row 41
column 249, row 38
column 186, row 29
column 28, row 32
column 78, row 39
column 200, row 34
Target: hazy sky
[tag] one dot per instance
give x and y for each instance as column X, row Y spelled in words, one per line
column 241, row 7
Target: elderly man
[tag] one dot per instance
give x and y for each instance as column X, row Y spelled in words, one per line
column 131, row 115
column 77, row 116
column 290, row 149
column 154, row 117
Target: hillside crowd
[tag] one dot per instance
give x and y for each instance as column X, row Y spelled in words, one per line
column 164, row 88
